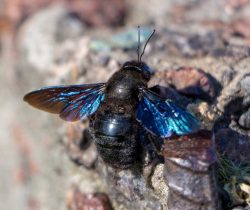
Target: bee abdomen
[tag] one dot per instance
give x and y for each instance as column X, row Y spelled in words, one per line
column 119, row 157
column 115, row 140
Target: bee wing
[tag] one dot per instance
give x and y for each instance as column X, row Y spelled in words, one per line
column 162, row 117
column 72, row 102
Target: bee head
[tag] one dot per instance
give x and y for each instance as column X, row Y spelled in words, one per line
column 141, row 67
column 138, row 65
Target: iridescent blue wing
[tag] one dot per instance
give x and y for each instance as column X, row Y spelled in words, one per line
column 163, row 117
column 72, row 102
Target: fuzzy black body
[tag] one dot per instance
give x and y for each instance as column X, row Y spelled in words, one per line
column 118, row 110
column 114, row 125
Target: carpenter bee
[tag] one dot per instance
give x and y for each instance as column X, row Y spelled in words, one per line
column 117, row 109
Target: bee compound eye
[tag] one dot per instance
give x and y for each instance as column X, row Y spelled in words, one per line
column 147, row 69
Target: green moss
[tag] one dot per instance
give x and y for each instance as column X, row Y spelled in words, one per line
column 232, row 177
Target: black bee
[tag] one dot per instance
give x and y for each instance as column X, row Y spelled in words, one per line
column 117, row 109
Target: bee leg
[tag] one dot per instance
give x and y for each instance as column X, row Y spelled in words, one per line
column 153, row 146
column 157, row 144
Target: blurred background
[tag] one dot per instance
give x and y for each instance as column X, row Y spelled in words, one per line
column 55, row 42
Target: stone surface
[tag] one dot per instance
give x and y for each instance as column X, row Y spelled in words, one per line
column 81, row 201
column 125, row 40
column 194, row 151
column 244, row 120
column 190, row 82
column 80, row 146
column 230, row 142
column 100, row 13
column 199, row 45
column 235, row 96
column 94, row 13
column 245, row 84
column 130, row 188
column 189, row 172
column 35, row 173
column 36, row 30
column 227, row 76
column 240, row 27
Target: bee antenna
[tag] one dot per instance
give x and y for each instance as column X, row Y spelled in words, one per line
column 139, row 43
column 146, row 45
